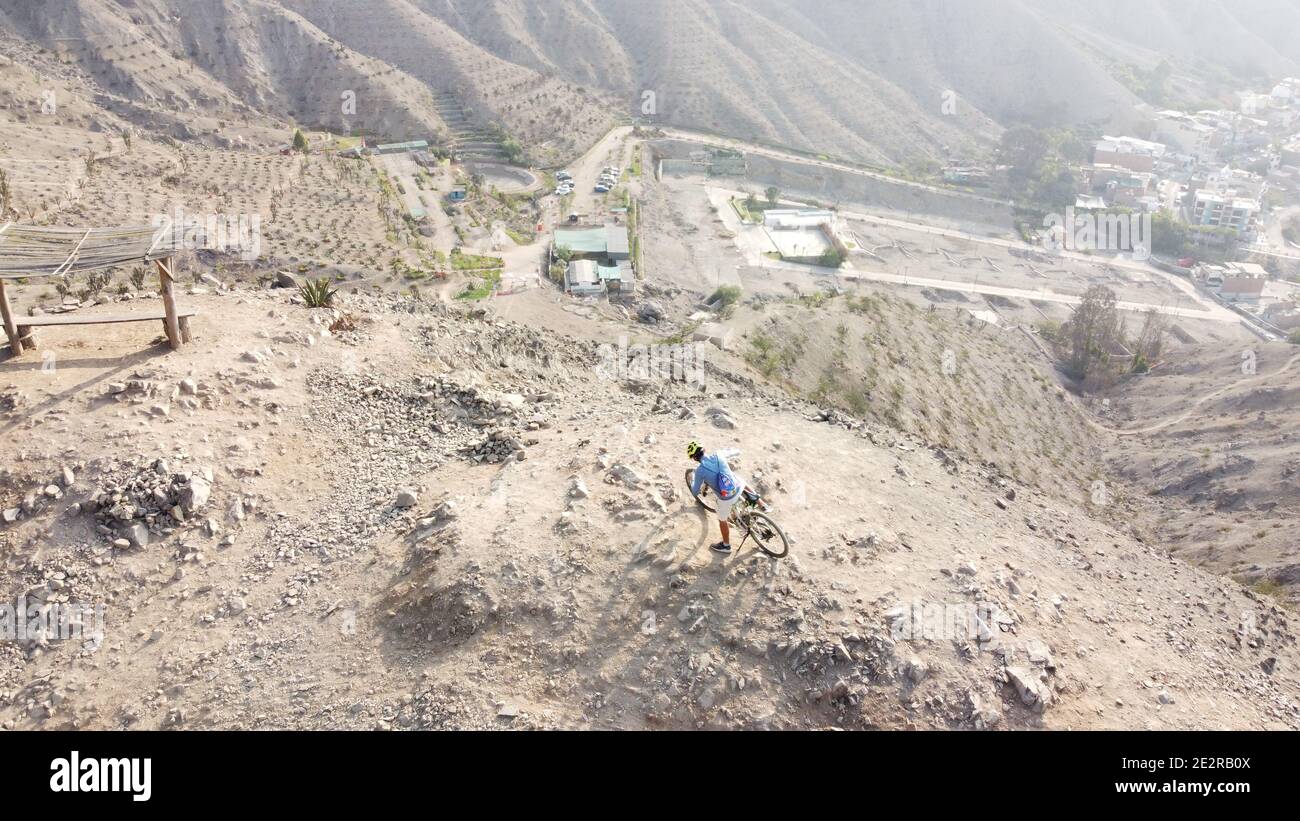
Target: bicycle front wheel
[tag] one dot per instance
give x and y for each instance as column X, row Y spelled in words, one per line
column 768, row 535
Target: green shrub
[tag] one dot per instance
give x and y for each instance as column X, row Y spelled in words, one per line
column 317, row 293
column 725, row 296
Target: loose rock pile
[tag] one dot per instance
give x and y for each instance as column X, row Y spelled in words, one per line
column 137, row 501
column 499, row 446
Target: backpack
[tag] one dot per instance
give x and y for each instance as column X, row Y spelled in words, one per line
column 727, row 487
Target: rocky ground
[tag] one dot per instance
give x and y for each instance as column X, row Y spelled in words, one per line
column 430, row 517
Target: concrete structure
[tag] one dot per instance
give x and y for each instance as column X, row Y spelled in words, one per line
column 1236, row 281
column 787, row 219
column 1188, row 135
column 714, row 333
column 1242, row 289
column 1220, row 211
column 1128, row 152
column 1120, row 186
column 1236, row 182
column 582, row 278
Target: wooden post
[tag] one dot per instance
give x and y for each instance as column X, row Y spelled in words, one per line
column 11, row 330
column 171, row 323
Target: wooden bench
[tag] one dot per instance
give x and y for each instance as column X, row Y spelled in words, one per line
column 176, row 322
column 26, row 323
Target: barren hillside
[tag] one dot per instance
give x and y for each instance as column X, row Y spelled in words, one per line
column 442, row 520
column 1214, row 443
column 448, row 499
column 882, row 82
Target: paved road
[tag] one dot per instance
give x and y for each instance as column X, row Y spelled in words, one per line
column 752, row 148
column 586, row 171
column 1042, row 295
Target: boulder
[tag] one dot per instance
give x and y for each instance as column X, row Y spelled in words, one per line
column 650, row 311
column 196, row 495
column 1034, row 693
column 136, row 533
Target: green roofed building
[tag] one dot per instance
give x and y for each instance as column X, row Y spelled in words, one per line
column 608, row 242
column 600, row 261
column 587, row 242
column 400, row 148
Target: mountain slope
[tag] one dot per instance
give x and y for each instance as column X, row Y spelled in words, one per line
column 551, row 571
column 880, row 81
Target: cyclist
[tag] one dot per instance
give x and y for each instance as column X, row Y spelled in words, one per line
column 714, row 472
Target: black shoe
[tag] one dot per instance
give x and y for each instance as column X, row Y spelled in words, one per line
column 721, row 547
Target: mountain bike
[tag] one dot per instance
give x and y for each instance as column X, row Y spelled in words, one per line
column 756, row 524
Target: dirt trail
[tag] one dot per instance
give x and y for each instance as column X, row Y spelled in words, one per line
column 1184, row 415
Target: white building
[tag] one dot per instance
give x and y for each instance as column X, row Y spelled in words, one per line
column 796, row 218
column 1128, row 152
column 1224, row 211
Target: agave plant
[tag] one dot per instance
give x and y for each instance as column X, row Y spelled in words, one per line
column 317, row 293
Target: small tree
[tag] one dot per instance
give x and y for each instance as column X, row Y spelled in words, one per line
column 831, row 258
column 513, row 150
column 725, row 299
column 1091, row 332
column 300, row 141
column 5, row 195
column 1150, row 341
column 773, row 195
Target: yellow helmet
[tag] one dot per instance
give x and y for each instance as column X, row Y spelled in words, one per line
column 694, row 449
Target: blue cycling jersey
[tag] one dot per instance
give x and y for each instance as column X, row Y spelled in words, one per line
column 717, row 474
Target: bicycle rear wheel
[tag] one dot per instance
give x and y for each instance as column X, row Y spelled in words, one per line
column 767, row 534
column 702, row 498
